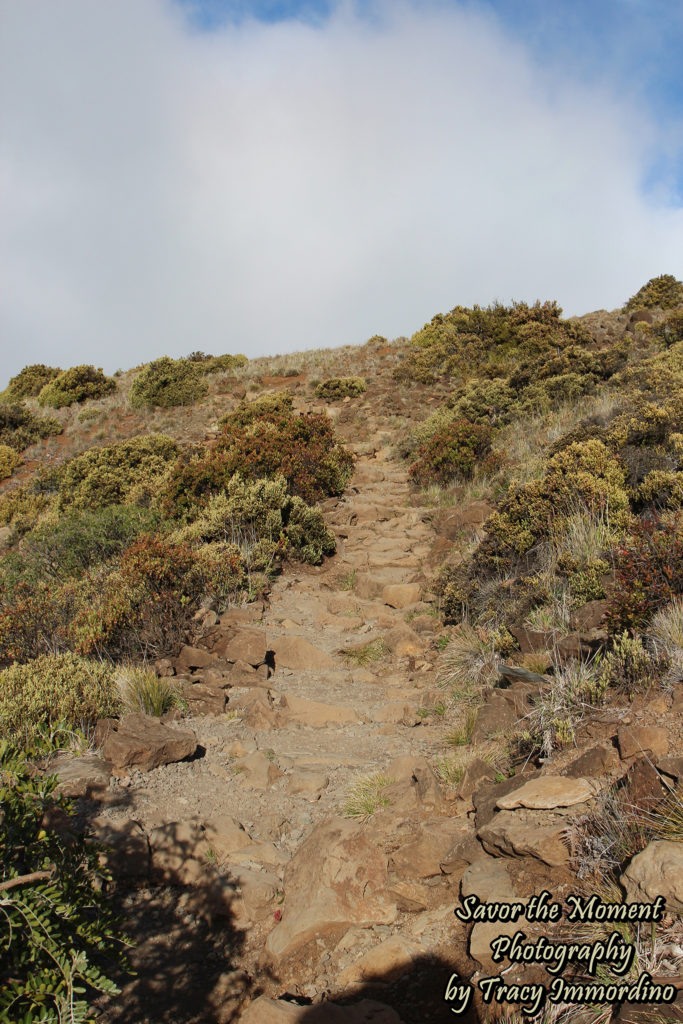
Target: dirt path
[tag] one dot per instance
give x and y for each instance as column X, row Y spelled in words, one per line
column 370, row 694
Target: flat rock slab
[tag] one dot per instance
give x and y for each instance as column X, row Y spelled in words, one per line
column 141, row 741
column 337, row 878
column 488, row 879
column 525, row 834
column 386, row 962
column 547, row 792
column 315, row 713
column 81, row 776
column 401, row 595
column 298, row 654
column 257, row 770
column 636, row 739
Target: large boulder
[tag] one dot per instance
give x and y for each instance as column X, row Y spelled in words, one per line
column 298, row 654
column 657, row 871
column 143, row 742
column 337, row 878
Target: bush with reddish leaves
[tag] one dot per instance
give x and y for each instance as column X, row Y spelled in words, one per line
column 453, row 451
column 301, row 448
column 140, row 602
column 649, row 569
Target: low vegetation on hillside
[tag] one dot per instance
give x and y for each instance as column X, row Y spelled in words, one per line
column 119, row 545
column 576, row 441
column 565, row 436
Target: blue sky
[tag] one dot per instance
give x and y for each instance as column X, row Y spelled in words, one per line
column 268, row 177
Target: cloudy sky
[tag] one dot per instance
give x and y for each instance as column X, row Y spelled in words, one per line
column 271, row 175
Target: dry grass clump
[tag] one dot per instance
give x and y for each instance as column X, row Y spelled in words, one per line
column 368, row 653
column 574, row 688
column 665, row 635
column 366, row 796
column 469, row 661
column 141, row 689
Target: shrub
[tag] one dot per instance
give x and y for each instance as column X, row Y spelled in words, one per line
column 275, row 407
column 628, row 667
column 125, row 471
column 492, row 401
column 143, row 603
column 59, row 932
column 584, row 472
column 661, row 489
column 223, row 364
column 341, row 387
column 9, row 460
column 493, row 342
column 168, row 382
column 663, row 291
column 30, row 381
column 303, row 449
column 76, row 385
column 670, row 330
column 54, row 688
column 263, row 513
column 649, row 572
column 24, row 506
column 19, row 427
column 454, row 450
column 66, row 546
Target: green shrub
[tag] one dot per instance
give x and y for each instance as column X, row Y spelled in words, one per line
column 628, row 667
column 117, row 473
column 23, row 507
column 584, row 472
column 55, row 688
column 19, row 427
column 67, row 545
column 275, row 407
column 341, row 387
column 9, row 460
column 495, row 342
column 76, row 385
column 249, row 514
column 670, row 330
column 453, row 451
column 223, row 364
column 663, row 291
column 491, row 401
column 59, row 932
column 30, row 381
column 168, row 382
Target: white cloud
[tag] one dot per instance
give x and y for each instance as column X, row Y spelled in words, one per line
column 266, row 188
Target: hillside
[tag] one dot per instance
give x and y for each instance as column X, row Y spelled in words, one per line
column 324, row 646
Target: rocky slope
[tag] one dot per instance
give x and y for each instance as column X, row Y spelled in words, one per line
column 254, row 892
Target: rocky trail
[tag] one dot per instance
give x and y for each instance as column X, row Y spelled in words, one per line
column 251, row 892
